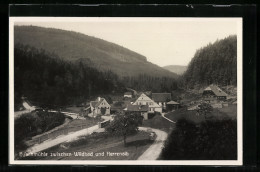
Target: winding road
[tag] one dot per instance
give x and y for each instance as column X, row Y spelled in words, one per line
column 154, row 151
column 163, row 115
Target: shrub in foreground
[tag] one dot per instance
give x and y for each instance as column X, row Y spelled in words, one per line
column 210, row 140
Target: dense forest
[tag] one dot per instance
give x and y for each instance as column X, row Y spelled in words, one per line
column 48, row 81
column 148, row 83
column 215, row 63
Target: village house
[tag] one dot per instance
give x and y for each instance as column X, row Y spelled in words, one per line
column 145, row 100
column 99, row 107
column 142, row 109
column 161, row 98
column 128, row 94
column 214, row 91
column 172, row 105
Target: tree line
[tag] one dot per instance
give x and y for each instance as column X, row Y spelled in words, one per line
column 144, row 82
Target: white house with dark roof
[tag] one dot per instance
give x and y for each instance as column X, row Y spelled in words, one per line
column 145, row 100
column 99, row 107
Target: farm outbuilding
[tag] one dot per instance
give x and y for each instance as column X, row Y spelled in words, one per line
column 215, row 92
column 172, row 105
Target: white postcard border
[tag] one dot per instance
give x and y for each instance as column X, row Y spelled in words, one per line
column 239, row 161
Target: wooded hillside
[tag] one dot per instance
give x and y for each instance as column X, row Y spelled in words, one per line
column 53, row 82
column 215, row 63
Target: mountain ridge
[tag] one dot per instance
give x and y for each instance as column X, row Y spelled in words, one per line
column 178, row 69
column 101, row 54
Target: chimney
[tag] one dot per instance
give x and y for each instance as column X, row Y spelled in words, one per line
column 99, row 98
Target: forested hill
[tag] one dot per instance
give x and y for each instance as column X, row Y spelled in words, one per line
column 52, row 82
column 98, row 53
column 215, row 63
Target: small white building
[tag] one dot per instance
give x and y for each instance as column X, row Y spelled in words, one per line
column 128, row 94
column 99, row 107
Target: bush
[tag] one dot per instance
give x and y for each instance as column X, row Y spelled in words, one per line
column 31, row 124
column 210, row 140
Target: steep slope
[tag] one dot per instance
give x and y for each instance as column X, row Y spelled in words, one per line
column 52, row 82
column 215, row 63
column 102, row 55
column 178, row 69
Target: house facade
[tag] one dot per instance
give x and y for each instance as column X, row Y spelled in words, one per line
column 99, row 107
column 161, row 98
column 214, row 91
column 145, row 100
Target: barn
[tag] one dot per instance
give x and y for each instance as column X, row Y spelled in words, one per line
column 214, row 91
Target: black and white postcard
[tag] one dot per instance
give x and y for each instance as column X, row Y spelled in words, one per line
column 125, row 91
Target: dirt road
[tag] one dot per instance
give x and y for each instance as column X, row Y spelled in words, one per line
column 153, row 152
column 60, row 139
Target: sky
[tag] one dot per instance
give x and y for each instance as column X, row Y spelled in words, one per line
column 166, row 41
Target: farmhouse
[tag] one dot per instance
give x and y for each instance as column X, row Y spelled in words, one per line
column 99, row 107
column 142, row 109
column 145, row 100
column 161, row 98
column 172, row 105
column 214, row 91
column 128, row 94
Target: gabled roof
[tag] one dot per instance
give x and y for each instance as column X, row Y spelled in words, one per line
column 97, row 103
column 137, row 108
column 216, row 90
column 161, row 97
column 173, row 103
column 93, row 103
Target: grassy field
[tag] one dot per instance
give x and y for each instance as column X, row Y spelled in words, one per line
column 159, row 122
column 100, row 144
column 74, row 109
column 230, row 111
column 89, row 122
column 223, row 113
